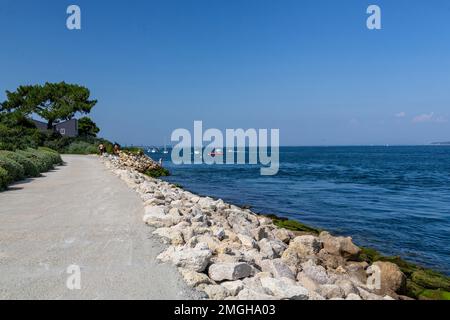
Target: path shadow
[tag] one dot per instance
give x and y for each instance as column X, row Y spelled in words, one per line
column 16, row 185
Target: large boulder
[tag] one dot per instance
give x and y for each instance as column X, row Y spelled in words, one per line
column 247, row 241
column 316, row 273
column 283, row 235
column 284, row 288
column 271, row 249
column 277, row 268
column 249, row 294
column 193, row 278
column 195, row 259
column 216, row 292
column 331, row 261
column 342, row 246
column 233, row 287
column 261, row 232
column 171, row 235
column 330, row 291
column 306, row 245
column 301, row 249
column 391, row 278
column 242, row 222
column 229, row 271
column 306, row 282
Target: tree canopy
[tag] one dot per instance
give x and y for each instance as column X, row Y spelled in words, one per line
column 53, row 102
column 87, row 127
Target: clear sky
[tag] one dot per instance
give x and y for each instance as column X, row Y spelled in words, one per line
column 310, row 68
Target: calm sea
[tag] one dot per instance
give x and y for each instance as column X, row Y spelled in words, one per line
column 394, row 199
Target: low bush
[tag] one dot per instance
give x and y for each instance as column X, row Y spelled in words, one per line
column 81, row 147
column 17, row 165
column 43, row 160
column 14, row 169
column 56, row 158
column 30, row 169
column 4, row 179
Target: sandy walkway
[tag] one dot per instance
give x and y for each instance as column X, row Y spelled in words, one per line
column 80, row 214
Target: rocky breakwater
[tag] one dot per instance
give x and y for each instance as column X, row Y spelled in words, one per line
column 139, row 162
column 232, row 253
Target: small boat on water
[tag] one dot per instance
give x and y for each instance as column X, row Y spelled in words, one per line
column 216, row 152
column 165, row 148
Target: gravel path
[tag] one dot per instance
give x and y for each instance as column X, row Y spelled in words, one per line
column 80, row 214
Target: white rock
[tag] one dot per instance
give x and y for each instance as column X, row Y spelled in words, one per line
column 172, row 235
column 266, row 250
column 283, row 235
column 194, row 199
column 248, row 294
column 353, row 296
column 195, row 259
column 316, row 273
column 193, row 278
column 234, row 287
column 216, row 292
column 284, row 288
column 207, row 203
column 307, row 244
column 219, row 233
column 330, row 291
column 247, row 241
column 229, row 271
column 277, row 268
column 306, row 282
column 366, row 295
column 154, row 211
column 347, row 286
column 261, row 232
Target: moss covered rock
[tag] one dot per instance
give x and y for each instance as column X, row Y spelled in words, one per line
column 292, row 225
column 157, row 172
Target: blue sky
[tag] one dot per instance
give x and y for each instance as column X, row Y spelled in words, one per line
column 310, row 68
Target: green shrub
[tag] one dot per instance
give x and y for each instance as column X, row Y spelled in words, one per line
column 4, row 179
column 56, row 158
column 30, row 169
column 81, row 147
column 14, row 169
column 42, row 161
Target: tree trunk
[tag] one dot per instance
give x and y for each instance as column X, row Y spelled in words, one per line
column 50, row 125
